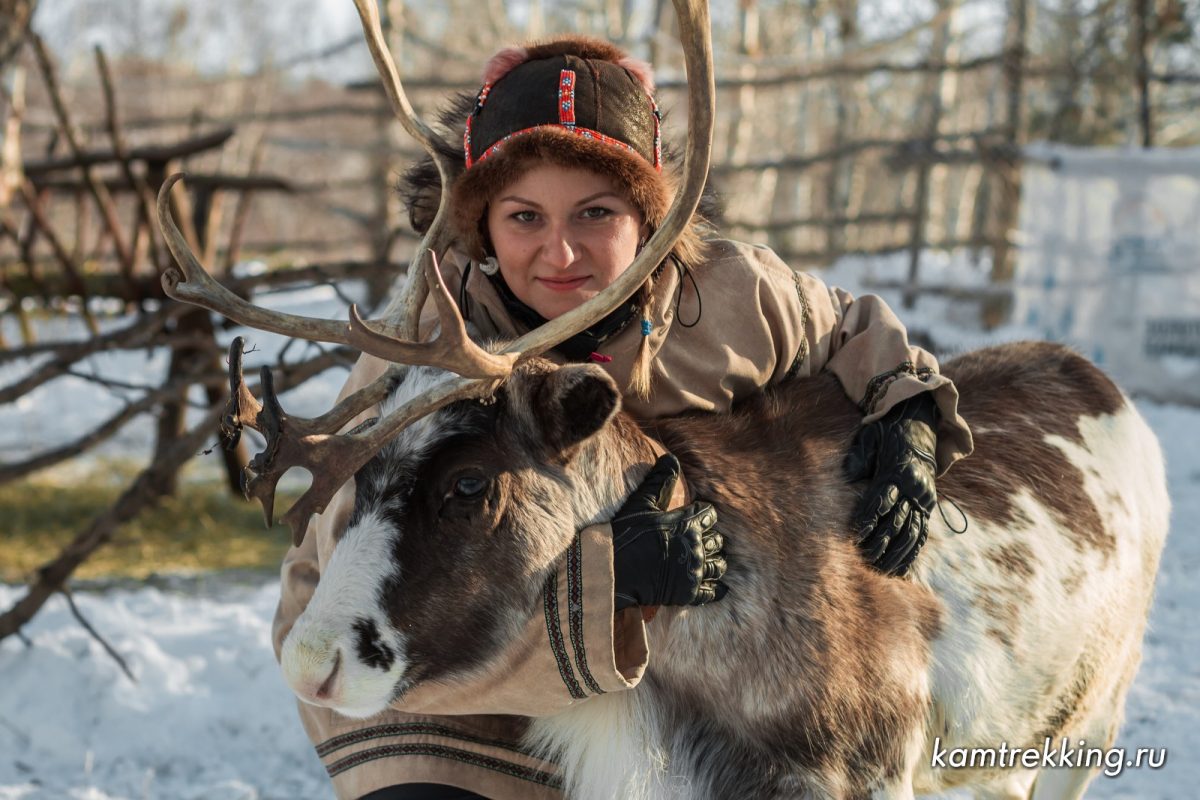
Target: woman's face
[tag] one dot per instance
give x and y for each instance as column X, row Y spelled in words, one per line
column 561, row 236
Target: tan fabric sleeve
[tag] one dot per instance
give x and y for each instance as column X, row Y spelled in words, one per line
column 726, row 329
column 564, row 655
column 866, row 346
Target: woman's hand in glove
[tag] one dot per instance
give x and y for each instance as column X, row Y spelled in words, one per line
column 661, row 557
column 896, row 454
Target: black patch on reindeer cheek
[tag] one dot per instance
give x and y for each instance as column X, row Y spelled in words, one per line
column 372, row 650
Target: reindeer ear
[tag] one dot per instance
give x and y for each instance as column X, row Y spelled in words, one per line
column 575, row 402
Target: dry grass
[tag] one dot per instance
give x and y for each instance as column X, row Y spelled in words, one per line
column 203, row 528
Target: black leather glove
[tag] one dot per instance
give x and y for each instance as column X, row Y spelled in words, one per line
column 666, row 558
column 897, row 454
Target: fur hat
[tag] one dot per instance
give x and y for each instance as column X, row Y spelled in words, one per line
column 573, row 101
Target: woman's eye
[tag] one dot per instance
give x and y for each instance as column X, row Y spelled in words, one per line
column 596, row 212
column 524, row 216
column 469, row 486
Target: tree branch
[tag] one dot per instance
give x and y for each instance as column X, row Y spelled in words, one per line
column 144, row 196
column 48, row 458
column 87, row 626
column 140, row 494
column 103, row 200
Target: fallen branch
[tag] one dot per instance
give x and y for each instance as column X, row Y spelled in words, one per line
column 796, row 257
column 776, row 225
column 242, row 212
column 800, row 163
column 87, row 626
column 10, row 148
column 192, row 342
column 120, row 184
column 41, row 222
column 106, row 430
column 139, row 334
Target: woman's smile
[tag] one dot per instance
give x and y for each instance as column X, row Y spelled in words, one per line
column 563, row 284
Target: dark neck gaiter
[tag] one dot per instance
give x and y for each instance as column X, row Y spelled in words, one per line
column 582, row 344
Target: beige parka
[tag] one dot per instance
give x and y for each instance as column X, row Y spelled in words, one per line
column 745, row 321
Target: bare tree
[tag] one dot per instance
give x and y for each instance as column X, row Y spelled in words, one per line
column 15, row 18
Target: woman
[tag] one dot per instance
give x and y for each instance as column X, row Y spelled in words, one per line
column 562, row 182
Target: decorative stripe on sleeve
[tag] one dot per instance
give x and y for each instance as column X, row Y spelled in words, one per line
column 575, row 612
column 802, row 350
column 335, row 743
column 454, row 754
column 555, row 634
column 877, row 387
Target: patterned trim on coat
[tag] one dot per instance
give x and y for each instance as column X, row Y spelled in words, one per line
column 336, row 743
column 802, row 350
column 454, row 754
column 575, row 612
column 557, row 644
column 877, row 387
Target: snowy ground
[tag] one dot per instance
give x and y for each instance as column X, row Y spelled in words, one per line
column 210, row 717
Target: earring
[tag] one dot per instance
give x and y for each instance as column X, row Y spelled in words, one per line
column 489, row 266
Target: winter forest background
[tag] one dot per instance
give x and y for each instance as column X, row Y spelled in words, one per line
column 997, row 169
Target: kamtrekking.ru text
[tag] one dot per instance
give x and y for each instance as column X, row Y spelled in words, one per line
column 1051, row 755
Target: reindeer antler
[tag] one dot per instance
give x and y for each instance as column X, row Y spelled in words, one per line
column 334, row 458
column 453, row 349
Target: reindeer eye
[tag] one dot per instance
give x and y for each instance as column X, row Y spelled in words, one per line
column 469, row 486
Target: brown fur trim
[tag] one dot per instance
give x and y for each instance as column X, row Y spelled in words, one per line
column 420, row 187
column 584, row 47
column 587, row 47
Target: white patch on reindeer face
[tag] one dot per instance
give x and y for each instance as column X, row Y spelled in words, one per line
column 343, row 651
column 325, row 640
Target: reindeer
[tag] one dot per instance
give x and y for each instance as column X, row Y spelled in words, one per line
column 815, row 676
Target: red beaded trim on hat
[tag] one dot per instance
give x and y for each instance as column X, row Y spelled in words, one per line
column 483, row 96
column 467, row 139
column 479, row 101
column 566, row 98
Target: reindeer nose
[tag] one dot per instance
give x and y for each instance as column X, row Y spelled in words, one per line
column 326, row 690
column 314, row 671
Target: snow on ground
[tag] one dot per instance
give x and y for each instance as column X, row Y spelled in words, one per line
column 210, row 716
